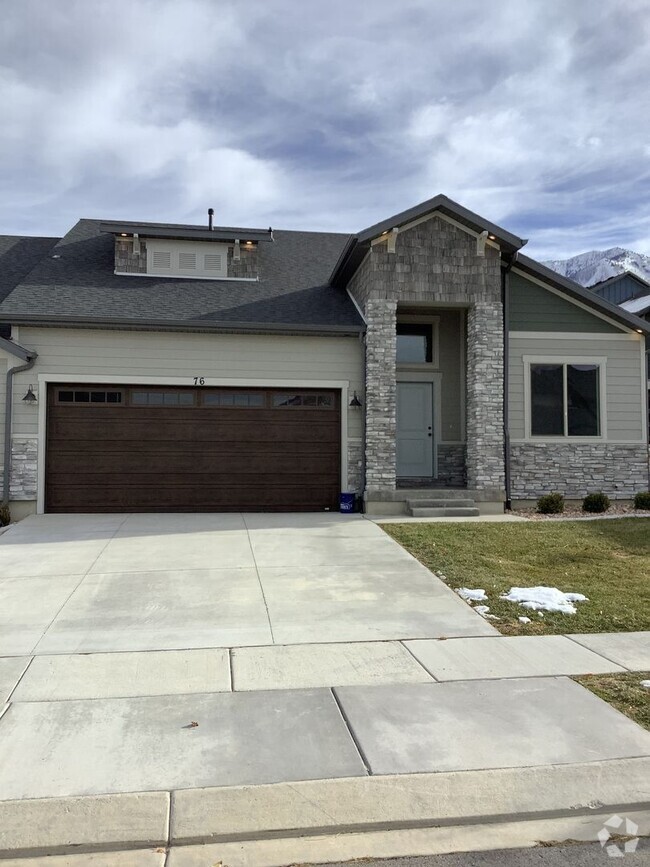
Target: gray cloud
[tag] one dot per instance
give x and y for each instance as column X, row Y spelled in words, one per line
column 328, row 116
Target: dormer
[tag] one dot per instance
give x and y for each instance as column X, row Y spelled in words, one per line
column 186, row 252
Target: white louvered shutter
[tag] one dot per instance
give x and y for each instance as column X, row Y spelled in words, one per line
column 162, row 260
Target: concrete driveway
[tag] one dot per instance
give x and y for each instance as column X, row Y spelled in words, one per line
column 84, row 583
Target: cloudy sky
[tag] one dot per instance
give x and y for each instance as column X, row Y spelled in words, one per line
column 313, row 115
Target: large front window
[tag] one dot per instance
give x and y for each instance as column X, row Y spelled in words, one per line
column 565, row 400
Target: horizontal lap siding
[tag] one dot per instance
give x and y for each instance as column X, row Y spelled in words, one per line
column 153, row 354
column 624, row 383
column 535, row 308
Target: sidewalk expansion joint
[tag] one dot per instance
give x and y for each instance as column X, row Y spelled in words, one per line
column 351, row 732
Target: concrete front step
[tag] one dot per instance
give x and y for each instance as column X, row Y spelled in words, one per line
column 448, row 512
column 436, row 493
column 442, row 503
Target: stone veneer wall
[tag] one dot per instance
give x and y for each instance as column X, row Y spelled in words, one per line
column 24, row 458
column 246, row 266
column 355, row 464
column 434, row 262
column 577, row 469
column 484, row 425
column 452, row 468
column 381, row 395
column 125, row 259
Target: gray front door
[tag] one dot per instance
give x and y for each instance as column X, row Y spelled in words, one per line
column 414, row 429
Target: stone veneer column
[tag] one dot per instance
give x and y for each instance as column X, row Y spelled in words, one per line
column 381, row 394
column 485, row 458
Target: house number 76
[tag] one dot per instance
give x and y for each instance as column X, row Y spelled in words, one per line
column 199, row 380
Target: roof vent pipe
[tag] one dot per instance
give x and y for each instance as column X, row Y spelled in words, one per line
column 210, row 216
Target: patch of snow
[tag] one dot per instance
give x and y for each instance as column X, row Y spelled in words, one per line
column 544, row 599
column 482, row 610
column 524, row 619
column 645, row 684
column 471, row 595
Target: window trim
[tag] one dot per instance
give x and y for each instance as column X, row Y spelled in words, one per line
column 565, row 360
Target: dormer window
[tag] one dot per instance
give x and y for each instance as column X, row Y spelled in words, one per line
column 171, row 258
column 187, row 252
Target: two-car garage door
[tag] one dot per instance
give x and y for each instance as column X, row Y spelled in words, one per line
column 157, row 449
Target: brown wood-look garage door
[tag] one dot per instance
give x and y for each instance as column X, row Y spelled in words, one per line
column 156, row 449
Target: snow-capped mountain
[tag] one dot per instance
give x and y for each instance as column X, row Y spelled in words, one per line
column 597, row 265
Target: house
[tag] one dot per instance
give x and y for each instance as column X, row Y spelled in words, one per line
column 622, row 287
column 159, row 367
column 632, row 294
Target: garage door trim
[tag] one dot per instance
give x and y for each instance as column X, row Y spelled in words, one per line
column 44, row 379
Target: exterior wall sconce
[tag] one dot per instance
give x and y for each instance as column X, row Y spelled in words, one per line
column 30, row 397
column 355, row 403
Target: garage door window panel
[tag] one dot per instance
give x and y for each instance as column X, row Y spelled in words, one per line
column 87, row 397
column 235, row 399
column 163, row 398
column 298, row 400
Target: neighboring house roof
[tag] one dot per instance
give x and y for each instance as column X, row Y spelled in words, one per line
column 579, row 293
column 638, row 305
column 76, row 284
column 624, row 275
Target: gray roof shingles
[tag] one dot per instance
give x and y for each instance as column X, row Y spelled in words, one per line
column 18, row 256
column 293, row 288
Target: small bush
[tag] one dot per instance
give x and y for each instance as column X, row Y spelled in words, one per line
column 595, row 502
column 551, row 504
column 5, row 517
column 642, row 500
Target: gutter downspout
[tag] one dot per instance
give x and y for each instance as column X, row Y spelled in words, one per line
column 505, row 300
column 8, row 416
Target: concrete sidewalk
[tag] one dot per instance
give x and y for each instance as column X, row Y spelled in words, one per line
column 81, row 770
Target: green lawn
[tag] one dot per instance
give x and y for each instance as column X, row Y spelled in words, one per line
column 624, row 691
column 608, row 561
